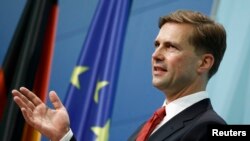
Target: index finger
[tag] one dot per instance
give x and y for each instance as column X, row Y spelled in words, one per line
column 31, row 96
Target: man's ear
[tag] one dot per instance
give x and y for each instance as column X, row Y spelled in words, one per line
column 205, row 63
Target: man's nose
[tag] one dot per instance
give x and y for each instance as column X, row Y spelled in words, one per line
column 157, row 55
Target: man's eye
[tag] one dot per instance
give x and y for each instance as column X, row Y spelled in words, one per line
column 170, row 46
column 156, row 44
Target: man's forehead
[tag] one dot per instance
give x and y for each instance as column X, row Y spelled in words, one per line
column 175, row 32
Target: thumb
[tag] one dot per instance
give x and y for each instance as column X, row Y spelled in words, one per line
column 55, row 100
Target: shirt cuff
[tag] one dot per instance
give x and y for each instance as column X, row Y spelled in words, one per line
column 67, row 136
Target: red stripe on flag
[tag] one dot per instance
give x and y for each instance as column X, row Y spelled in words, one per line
column 43, row 74
column 3, row 97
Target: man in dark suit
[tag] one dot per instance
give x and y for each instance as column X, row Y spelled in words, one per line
column 188, row 52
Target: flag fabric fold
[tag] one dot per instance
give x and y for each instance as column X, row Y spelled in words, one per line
column 91, row 93
column 27, row 63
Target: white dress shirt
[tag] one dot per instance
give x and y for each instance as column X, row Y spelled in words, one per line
column 180, row 104
column 67, row 136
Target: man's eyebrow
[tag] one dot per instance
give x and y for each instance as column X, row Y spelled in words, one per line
column 172, row 43
column 167, row 43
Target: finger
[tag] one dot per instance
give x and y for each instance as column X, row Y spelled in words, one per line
column 55, row 100
column 28, row 116
column 19, row 99
column 31, row 96
column 22, row 101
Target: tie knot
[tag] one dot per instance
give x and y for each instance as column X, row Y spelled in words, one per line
column 161, row 113
column 151, row 124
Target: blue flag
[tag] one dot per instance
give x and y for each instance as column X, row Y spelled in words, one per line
column 91, row 93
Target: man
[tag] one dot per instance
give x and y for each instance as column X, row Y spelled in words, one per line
column 188, row 52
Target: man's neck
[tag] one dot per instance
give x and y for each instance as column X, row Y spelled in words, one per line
column 173, row 95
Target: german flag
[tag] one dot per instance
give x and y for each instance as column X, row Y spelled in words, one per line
column 27, row 63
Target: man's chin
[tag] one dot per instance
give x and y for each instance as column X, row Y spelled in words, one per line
column 158, row 84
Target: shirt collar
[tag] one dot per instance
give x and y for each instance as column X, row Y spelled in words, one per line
column 180, row 104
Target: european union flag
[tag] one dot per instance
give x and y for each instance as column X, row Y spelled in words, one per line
column 91, row 93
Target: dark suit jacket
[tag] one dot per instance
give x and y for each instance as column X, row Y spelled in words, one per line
column 73, row 139
column 189, row 125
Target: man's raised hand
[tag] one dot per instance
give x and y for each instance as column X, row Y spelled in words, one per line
column 53, row 123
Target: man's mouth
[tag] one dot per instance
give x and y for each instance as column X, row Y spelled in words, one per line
column 158, row 70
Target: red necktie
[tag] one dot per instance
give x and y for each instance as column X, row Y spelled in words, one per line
column 151, row 124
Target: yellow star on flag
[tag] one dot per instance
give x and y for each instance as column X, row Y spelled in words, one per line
column 99, row 86
column 102, row 133
column 75, row 75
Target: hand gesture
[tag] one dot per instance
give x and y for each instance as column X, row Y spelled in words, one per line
column 53, row 123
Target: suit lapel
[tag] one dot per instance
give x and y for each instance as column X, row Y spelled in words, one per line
column 177, row 122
